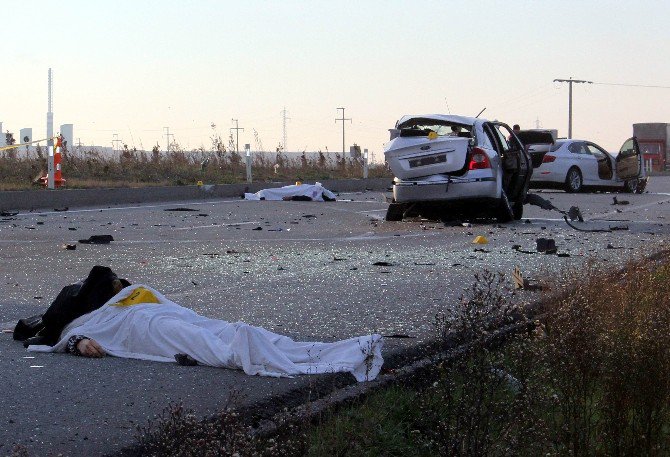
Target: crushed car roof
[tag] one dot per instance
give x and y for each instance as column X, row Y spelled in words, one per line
column 463, row 120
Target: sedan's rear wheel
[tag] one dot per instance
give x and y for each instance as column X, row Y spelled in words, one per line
column 631, row 185
column 395, row 212
column 573, row 181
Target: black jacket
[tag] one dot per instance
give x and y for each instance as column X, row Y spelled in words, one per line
column 72, row 302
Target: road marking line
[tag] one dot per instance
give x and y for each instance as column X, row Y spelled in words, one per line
column 633, row 208
column 234, row 224
column 178, row 202
column 122, row 208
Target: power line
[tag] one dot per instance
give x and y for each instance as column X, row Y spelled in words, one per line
column 631, row 85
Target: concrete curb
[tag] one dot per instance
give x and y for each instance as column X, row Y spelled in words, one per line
column 72, row 198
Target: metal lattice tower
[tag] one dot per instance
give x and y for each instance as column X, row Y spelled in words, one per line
column 284, row 119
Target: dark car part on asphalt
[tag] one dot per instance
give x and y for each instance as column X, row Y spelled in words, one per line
column 579, row 229
column 517, row 247
column 98, row 239
column 546, row 245
column 573, row 213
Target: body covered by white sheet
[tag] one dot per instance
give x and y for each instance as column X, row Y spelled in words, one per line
column 313, row 191
column 158, row 331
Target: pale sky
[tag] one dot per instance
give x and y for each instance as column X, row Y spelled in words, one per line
column 134, row 67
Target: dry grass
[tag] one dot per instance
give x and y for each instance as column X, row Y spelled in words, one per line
column 89, row 169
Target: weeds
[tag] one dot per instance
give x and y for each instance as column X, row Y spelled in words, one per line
column 179, row 432
column 477, row 406
column 593, row 378
column 88, row 168
column 610, row 347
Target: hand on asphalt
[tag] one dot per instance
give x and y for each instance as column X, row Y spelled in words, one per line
column 90, row 348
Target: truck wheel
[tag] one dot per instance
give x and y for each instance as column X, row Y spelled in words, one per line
column 395, row 212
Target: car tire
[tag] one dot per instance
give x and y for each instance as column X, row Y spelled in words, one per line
column 630, row 186
column 395, row 212
column 573, row 181
column 505, row 212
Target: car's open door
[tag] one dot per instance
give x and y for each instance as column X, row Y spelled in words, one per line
column 628, row 162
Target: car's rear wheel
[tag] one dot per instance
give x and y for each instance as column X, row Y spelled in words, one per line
column 505, row 212
column 573, row 180
column 395, row 212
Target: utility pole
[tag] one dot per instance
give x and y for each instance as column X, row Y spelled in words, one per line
column 237, row 129
column 284, row 119
column 51, row 166
column 343, row 119
column 570, row 82
column 167, row 136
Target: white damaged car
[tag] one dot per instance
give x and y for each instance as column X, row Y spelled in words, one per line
column 575, row 165
column 446, row 166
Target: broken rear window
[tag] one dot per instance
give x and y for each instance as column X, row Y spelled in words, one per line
column 425, row 127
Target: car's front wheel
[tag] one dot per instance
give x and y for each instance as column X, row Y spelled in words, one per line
column 573, row 180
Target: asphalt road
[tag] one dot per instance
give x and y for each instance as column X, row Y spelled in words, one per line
column 304, row 269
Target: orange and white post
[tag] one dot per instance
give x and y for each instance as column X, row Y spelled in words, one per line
column 50, row 164
column 54, row 173
column 58, row 176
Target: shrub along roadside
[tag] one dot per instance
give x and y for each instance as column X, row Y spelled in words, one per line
column 593, row 378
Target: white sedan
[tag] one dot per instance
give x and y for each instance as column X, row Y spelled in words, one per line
column 446, row 166
column 576, row 164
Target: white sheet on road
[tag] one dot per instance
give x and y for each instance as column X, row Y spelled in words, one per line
column 313, row 191
column 159, row 330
